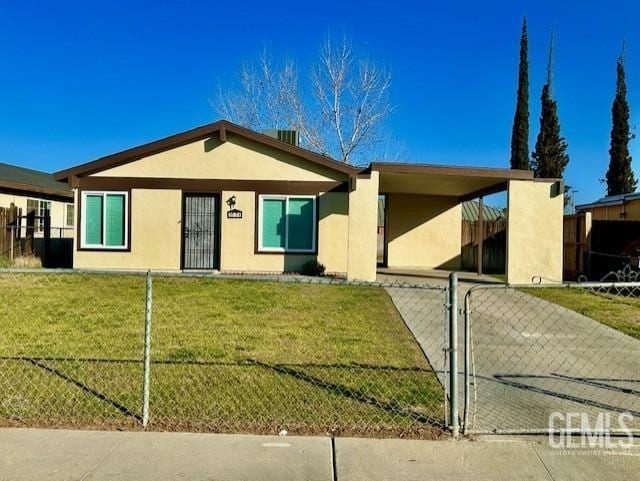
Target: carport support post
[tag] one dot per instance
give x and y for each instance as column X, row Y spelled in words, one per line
column 453, row 354
column 147, row 350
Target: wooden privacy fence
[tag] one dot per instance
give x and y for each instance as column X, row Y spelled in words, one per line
column 575, row 249
column 17, row 232
column 10, row 231
column 494, row 245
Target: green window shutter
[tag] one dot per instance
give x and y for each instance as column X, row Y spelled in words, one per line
column 300, row 220
column 115, row 220
column 93, row 221
column 273, row 223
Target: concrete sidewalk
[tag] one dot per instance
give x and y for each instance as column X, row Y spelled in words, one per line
column 34, row 454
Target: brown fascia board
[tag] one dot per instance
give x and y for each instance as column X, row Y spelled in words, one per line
column 221, row 127
column 411, row 168
column 20, row 188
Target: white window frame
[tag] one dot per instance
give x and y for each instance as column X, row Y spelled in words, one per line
column 66, row 216
column 286, row 199
column 83, row 223
column 40, row 211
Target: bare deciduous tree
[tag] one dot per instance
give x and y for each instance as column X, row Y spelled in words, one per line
column 339, row 112
column 260, row 100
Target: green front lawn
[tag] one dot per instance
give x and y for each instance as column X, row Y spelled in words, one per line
column 227, row 355
column 619, row 312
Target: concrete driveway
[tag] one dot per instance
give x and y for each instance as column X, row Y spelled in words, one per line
column 532, row 358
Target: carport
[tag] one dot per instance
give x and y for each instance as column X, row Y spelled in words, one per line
column 424, row 218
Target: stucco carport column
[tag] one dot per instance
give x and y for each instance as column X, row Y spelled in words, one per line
column 363, row 222
column 534, row 231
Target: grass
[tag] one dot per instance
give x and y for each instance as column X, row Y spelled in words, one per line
column 21, row 262
column 620, row 312
column 228, row 355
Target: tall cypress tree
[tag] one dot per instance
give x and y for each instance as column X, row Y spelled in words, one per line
column 620, row 178
column 550, row 157
column 520, row 132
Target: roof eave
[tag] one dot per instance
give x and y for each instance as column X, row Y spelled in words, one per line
column 34, row 189
column 411, row 168
column 221, row 127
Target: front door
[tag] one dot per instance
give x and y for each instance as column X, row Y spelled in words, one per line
column 200, row 231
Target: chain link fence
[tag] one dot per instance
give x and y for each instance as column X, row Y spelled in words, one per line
column 71, row 350
column 209, row 353
column 534, row 354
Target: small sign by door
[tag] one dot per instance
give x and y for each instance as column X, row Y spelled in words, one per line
column 234, row 214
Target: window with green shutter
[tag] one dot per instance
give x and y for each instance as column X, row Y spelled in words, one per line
column 104, row 220
column 114, row 224
column 301, row 217
column 287, row 223
column 93, row 219
column 273, row 223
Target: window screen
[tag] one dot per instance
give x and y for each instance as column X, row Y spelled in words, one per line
column 300, row 217
column 273, row 223
column 287, row 223
column 93, row 219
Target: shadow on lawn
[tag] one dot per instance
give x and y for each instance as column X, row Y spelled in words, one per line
column 355, row 394
column 293, row 370
column 88, row 390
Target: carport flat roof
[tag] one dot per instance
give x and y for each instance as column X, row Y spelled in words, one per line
column 429, row 179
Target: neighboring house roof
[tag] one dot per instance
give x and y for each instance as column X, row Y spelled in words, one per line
column 28, row 181
column 471, row 209
column 610, row 200
column 220, row 128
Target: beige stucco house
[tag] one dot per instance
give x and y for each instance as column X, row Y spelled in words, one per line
column 226, row 198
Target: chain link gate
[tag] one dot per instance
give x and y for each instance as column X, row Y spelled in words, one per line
column 533, row 366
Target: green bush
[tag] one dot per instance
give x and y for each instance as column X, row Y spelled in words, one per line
column 313, row 268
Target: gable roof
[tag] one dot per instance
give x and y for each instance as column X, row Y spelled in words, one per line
column 610, row 200
column 29, row 181
column 471, row 209
column 220, row 128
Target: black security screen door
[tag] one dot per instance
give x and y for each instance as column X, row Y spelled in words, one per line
column 200, row 231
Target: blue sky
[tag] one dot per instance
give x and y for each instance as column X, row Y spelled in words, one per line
column 81, row 80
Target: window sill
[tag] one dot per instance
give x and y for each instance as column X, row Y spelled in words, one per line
column 288, row 253
column 103, row 249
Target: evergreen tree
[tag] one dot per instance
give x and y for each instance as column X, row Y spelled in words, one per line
column 520, row 132
column 620, row 178
column 550, row 157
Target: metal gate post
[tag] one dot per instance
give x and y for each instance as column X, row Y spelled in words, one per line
column 147, row 350
column 467, row 361
column 453, row 354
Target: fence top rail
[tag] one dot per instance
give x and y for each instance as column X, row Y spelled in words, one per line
column 559, row 285
column 290, row 278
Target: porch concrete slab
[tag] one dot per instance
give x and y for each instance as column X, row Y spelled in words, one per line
column 35, row 454
column 406, row 460
column 431, row 276
column 171, row 456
